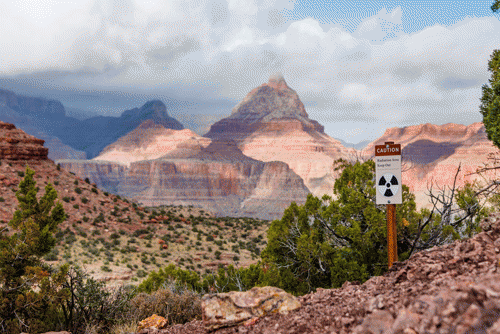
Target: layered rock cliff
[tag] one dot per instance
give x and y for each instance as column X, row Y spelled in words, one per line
column 218, row 178
column 17, row 145
column 432, row 153
column 271, row 124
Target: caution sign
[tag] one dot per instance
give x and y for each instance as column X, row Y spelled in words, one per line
column 388, row 173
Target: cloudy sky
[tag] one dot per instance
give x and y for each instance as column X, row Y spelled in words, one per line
column 359, row 67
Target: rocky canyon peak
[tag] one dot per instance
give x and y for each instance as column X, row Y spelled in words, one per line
column 271, row 124
column 271, row 106
column 271, row 100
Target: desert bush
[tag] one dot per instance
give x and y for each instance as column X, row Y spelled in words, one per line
column 92, row 304
column 78, row 190
column 66, row 199
column 179, row 305
column 87, row 180
column 94, row 190
column 106, row 269
column 75, row 183
column 84, row 200
column 76, row 206
column 2, row 199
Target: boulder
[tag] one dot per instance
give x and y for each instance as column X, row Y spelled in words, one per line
column 153, row 322
column 233, row 308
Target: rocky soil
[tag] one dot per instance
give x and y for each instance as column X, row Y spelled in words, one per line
column 453, row 288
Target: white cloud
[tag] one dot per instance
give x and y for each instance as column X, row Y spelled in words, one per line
column 223, row 49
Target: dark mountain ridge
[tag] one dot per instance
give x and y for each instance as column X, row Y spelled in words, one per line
column 89, row 135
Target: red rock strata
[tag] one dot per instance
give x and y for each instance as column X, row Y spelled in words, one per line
column 15, row 144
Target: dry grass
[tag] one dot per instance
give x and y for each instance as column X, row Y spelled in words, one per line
column 177, row 307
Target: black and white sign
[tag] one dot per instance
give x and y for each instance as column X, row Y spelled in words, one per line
column 388, row 174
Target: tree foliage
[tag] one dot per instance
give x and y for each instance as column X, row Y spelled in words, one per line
column 328, row 241
column 496, row 6
column 21, row 269
column 490, row 100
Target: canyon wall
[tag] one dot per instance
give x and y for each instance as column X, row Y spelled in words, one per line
column 432, row 153
column 218, row 178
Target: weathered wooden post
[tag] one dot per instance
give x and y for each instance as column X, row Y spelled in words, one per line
column 389, row 190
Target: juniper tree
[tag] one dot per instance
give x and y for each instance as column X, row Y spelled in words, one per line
column 328, row 241
column 28, row 293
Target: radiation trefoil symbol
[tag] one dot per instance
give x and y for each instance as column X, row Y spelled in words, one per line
column 388, row 185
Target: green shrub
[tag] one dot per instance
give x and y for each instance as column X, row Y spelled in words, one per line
column 84, row 200
column 20, row 173
column 217, row 254
column 23, row 308
column 78, row 190
column 114, row 235
column 76, row 182
column 106, row 269
column 56, row 183
column 2, row 199
column 87, row 180
column 76, row 206
column 92, row 305
column 94, row 190
column 58, row 166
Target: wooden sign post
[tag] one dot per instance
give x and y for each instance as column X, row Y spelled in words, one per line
column 389, row 189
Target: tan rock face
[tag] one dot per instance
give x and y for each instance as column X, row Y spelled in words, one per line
column 105, row 174
column 151, row 141
column 233, row 308
column 15, row 144
column 434, row 152
column 309, row 154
